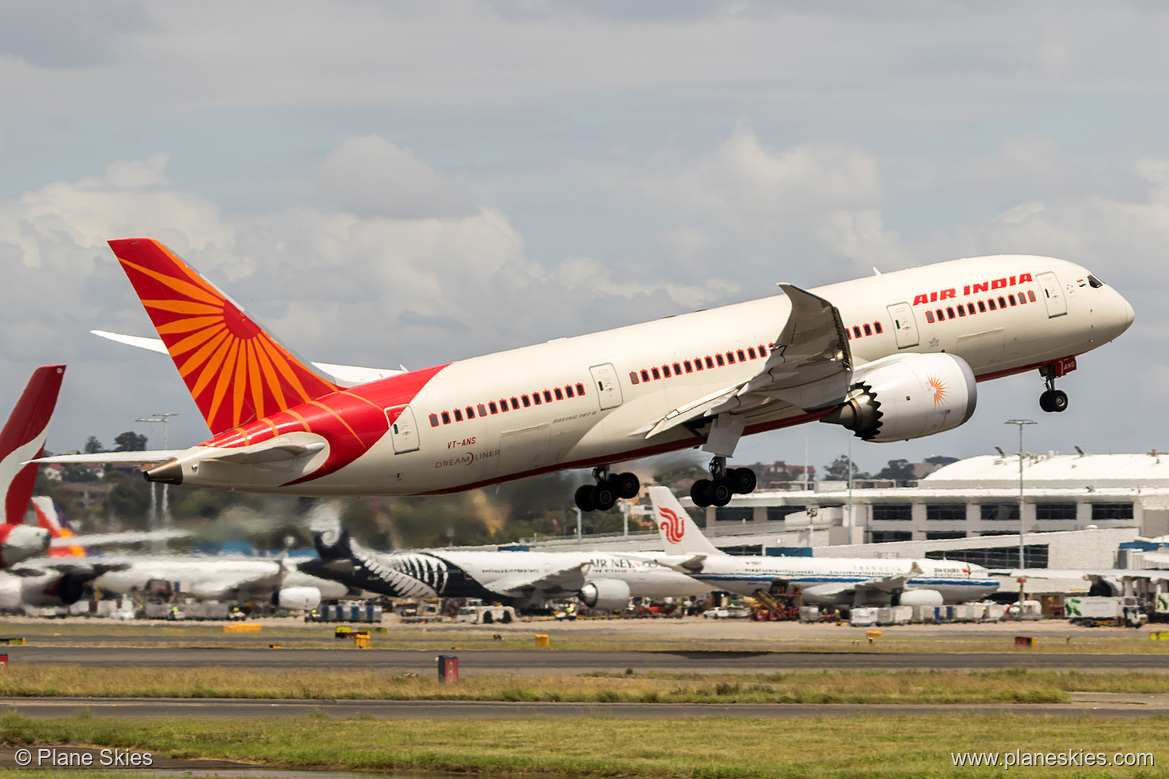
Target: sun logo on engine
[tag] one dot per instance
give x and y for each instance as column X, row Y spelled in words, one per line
column 938, row 389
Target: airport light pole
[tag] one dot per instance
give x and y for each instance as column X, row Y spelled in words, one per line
column 163, row 417
column 1022, row 565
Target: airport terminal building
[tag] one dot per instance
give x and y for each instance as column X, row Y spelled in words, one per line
column 1079, row 511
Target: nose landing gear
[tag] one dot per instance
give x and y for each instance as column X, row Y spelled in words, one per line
column 609, row 487
column 723, row 484
column 1052, row 399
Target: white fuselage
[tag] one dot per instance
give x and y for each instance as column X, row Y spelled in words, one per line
column 956, row 582
column 211, row 577
column 529, row 577
column 453, row 433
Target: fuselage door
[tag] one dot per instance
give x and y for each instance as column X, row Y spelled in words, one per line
column 1057, row 304
column 904, row 325
column 403, row 430
column 605, row 383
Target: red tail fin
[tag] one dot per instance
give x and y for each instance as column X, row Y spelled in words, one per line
column 23, row 437
column 234, row 370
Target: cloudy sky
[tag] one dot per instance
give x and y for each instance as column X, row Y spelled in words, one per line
column 413, row 183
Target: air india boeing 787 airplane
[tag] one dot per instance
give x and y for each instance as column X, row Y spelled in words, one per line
column 892, row 357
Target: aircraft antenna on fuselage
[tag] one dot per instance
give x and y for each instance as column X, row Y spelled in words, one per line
column 234, row 370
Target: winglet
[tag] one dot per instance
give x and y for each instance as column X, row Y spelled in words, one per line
column 234, row 370
column 23, row 437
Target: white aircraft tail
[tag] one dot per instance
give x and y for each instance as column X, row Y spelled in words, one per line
column 680, row 533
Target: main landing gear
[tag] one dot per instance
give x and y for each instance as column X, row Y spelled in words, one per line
column 609, row 487
column 1052, row 399
column 723, row 484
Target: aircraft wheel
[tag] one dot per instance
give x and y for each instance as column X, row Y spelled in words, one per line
column 1053, row 400
column 584, row 497
column 721, row 492
column 603, row 496
column 626, row 485
column 742, row 480
column 700, row 493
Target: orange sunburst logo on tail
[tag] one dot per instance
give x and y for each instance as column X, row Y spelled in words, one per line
column 234, row 370
column 938, row 389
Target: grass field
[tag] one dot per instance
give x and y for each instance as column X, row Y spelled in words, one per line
column 856, row 747
column 627, row 635
column 923, row 687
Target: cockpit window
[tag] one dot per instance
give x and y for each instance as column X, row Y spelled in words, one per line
column 1095, row 282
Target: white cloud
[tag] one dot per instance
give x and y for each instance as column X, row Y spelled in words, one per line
column 371, row 176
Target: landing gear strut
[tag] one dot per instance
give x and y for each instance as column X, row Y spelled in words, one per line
column 1052, row 399
column 609, row 487
column 722, row 484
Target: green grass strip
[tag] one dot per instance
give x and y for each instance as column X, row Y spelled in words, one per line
column 869, row 747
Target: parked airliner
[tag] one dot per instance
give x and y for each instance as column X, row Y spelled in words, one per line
column 526, row 579
column 892, row 357
column 822, row 580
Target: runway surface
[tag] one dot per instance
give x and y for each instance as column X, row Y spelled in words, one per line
column 1111, row 706
column 531, row 661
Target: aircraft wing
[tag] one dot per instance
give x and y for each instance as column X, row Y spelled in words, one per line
column 342, row 375
column 569, row 579
column 131, row 537
column 82, row 569
column 682, row 563
column 809, row 367
column 884, row 584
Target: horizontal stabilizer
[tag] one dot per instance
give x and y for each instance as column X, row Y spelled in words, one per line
column 342, row 375
column 157, row 456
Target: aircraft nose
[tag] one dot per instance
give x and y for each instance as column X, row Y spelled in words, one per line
column 1122, row 316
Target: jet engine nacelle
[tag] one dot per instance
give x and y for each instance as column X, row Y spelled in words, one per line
column 52, row 589
column 920, row 598
column 302, row 598
column 908, row 396
column 605, row 594
column 10, row 592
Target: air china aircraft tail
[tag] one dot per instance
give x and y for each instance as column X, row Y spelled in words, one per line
column 234, row 370
column 679, row 532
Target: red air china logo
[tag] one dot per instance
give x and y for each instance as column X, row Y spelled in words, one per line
column 940, row 295
column 672, row 526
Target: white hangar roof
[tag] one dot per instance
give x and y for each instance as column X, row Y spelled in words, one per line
column 1054, row 471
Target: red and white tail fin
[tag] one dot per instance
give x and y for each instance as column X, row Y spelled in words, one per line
column 234, row 370
column 680, row 533
column 23, row 438
column 50, row 518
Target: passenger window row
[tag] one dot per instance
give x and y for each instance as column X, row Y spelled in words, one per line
column 513, row 403
column 720, row 360
column 990, row 304
column 859, row 331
